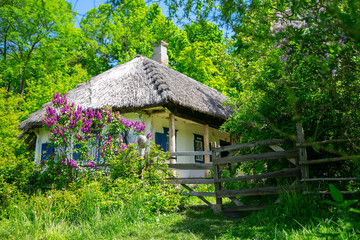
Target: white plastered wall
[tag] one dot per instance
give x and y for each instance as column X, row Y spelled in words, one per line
column 41, row 137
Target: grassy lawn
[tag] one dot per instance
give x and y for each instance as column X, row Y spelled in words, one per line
column 192, row 223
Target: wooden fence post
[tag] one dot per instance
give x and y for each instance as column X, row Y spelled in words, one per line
column 302, row 150
column 217, row 175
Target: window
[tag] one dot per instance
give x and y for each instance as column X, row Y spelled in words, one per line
column 46, row 150
column 162, row 139
column 199, row 146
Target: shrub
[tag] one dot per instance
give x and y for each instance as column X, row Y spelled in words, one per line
column 76, row 133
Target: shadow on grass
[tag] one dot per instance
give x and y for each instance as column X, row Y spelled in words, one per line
column 293, row 218
column 202, row 222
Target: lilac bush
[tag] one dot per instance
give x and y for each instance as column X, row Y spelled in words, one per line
column 83, row 139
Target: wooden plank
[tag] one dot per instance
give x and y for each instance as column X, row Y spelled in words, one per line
column 200, row 197
column 250, row 145
column 309, row 144
column 194, row 153
column 246, row 208
column 329, row 193
column 191, row 166
column 199, row 194
column 278, row 174
column 206, row 146
column 172, row 140
column 190, row 181
column 257, row 191
column 256, row 157
column 326, row 160
column 302, row 150
column 217, row 175
column 328, row 179
column 236, row 201
column 276, row 148
column 206, row 143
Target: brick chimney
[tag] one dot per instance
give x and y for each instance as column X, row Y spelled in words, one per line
column 160, row 52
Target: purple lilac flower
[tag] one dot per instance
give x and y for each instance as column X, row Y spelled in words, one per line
column 72, row 123
column 72, row 163
column 99, row 116
column 122, row 147
column 149, row 135
column 92, row 164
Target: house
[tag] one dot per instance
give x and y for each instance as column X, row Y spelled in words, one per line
column 181, row 113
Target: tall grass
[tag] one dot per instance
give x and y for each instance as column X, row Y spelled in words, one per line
column 90, row 213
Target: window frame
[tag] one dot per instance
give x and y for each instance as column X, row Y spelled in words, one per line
column 199, row 138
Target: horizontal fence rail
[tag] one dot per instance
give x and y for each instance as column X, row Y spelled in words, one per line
column 257, row 157
column 327, row 160
column 310, row 144
column 190, row 181
column 258, row 191
column 250, row 145
column 191, row 166
column 278, row 174
column 193, row 153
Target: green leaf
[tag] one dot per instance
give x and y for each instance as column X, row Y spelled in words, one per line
column 354, row 210
column 332, row 203
column 348, row 203
column 336, row 194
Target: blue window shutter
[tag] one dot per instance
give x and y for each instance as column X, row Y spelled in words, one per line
column 77, row 155
column 160, row 139
column 46, row 150
column 125, row 136
column 97, row 150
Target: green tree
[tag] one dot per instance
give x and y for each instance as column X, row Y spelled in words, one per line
column 37, row 38
column 116, row 33
column 207, row 58
column 298, row 62
column 39, row 50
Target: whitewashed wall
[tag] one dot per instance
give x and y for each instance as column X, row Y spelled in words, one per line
column 41, row 137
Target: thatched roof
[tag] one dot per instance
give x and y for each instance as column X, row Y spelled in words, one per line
column 143, row 83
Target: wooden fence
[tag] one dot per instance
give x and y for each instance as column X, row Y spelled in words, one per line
column 298, row 174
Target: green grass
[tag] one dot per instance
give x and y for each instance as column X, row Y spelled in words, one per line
column 296, row 217
column 191, row 224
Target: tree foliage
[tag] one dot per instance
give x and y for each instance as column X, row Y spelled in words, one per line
column 37, row 38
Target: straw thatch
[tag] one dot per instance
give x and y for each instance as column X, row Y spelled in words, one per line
column 143, row 83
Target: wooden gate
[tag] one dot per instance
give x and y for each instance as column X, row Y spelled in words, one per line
column 218, row 165
column 299, row 172
column 185, row 182
column 220, row 162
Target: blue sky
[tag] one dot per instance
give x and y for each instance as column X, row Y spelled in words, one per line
column 83, row 6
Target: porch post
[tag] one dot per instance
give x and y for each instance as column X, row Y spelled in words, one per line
column 172, row 137
column 206, row 147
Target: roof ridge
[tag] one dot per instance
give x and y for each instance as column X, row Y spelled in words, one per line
column 158, row 80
